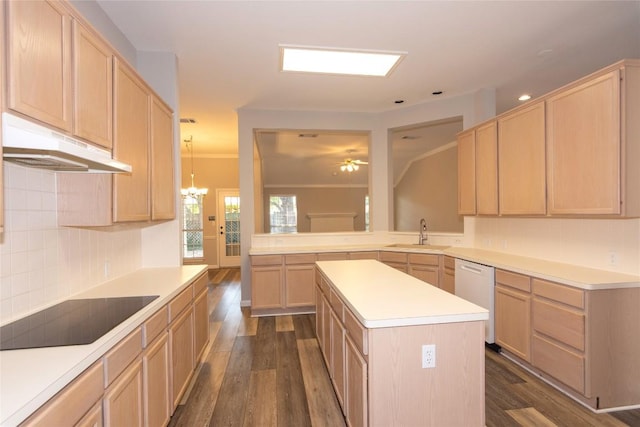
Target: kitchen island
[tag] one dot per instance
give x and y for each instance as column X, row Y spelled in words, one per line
column 399, row 351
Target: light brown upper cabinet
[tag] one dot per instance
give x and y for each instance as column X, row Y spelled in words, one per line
column 131, row 194
column 521, row 161
column 163, row 204
column 487, row 169
column 593, row 145
column 39, row 61
column 467, row 172
column 93, row 87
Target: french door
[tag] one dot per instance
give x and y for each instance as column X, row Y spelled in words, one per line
column 228, row 227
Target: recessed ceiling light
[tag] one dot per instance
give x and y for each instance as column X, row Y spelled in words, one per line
column 338, row 61
column 524, row 97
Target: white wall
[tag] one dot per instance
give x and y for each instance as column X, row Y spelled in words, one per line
column 41, row 263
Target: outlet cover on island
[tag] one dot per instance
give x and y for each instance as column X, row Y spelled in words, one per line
column 428, row 356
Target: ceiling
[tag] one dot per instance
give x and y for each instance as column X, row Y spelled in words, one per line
column 228, row 52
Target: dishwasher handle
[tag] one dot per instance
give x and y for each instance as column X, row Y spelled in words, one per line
column 471, row 269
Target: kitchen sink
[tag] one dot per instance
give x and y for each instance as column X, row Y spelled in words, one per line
column 416, row 246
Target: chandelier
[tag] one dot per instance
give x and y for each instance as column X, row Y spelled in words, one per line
column 192, row 192
column 350, row 165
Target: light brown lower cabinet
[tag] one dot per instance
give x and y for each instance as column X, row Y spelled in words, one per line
column 397, row 260
column 93, row 418
column 182, row 354
column 122, row 402
column 425, row 267
column 337, row 353
column 201, row 324
column 156, row 382
column 513, row 313
column 448, row 281
column 356, row 405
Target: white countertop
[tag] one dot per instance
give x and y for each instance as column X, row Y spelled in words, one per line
column 568, row 274
column 381, row 296
column 28, row 378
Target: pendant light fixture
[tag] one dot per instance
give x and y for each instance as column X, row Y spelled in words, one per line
column 193, row 191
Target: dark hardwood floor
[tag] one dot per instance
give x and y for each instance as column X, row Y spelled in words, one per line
column 268, row 371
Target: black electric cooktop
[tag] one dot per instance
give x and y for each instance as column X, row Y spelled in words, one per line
column 72, row 322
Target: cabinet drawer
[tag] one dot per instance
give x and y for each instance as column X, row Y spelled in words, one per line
column 155, row 325
column 266, row 260
column 565, row 325
column 200, row 284
column 69, row 406
column 562, row 364
column 449, row 262
column 560, row 293
column 513, row 280
column 332, row 256
column 356, row 331
column 364, row 255
column 424, row 259
column 337, row 305
column 399, row 257
column 324, row 285
column 300, row 259
column 121, row 356
column 179, row 303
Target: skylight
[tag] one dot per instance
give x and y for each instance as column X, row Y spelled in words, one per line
column 338, row 61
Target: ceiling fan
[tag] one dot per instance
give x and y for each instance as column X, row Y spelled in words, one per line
column 350, row 165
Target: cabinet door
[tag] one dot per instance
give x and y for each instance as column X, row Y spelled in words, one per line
column 584, row 148
column 319, row 317
column 163, row 200
column 266, row 287
column 93, row 87
column 39, row 61
column 300, row 285
column 182, row 354
column 521, row 162
column 326, row 326
column 201, row 318
column 131, row 145
column 426, row 273
column 155, row 370
column 123, row 399
column 337, row 356
column 356, row 386
column 467, row 173
column 487, row 169
column 449, row 280
column 513, row 321
column 93, row 418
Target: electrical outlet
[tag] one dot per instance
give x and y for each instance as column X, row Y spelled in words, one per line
column 613, row 258
column 107, row 268
column 428, row 356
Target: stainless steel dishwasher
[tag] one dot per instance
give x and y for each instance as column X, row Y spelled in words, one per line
column 475, row 283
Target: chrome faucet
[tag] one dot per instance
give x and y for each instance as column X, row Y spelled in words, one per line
column 423, row 232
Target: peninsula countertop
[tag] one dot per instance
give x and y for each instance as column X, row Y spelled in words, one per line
column 28, row 378
column 381, row 296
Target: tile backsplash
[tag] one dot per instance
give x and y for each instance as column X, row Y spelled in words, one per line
column 41, row 263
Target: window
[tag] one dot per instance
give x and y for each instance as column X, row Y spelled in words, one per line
column 366, row 213
column 283, row 214
column 193, row 232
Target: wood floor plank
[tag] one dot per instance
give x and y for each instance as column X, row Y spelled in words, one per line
column 529, row 417
column 232, row 399
column 324, row 409
column 290, row 393
column 304, row 325
column 248, row 325
column 262, row 407
column 202, row 399
column 265, row 349
column 284, row 323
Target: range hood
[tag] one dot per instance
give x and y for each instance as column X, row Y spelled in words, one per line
column 29, row 144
